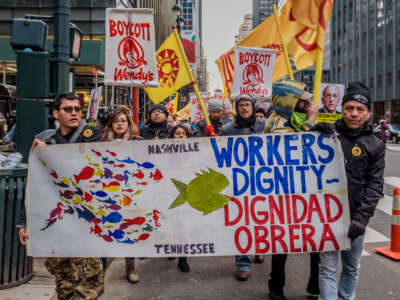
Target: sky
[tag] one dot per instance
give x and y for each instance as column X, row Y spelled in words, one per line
column 221, row 22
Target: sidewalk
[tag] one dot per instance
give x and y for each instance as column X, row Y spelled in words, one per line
column 40, row 287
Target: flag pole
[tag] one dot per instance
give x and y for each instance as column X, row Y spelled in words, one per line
column 289, row 67
column 318, row 75
column 187, row 66
column 176, row 102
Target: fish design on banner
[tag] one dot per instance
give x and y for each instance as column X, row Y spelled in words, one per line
column 98, row 193
column 203, row 192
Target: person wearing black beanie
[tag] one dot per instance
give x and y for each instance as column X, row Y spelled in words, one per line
column 364, row 157
column 359, row 92
column 157, row 127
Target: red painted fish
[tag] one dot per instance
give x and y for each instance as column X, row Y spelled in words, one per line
column 142, row 237
column 95, row 220
column 142, row 183
column 156, row 217
column 67, row 194
column 114, row 207
column 107, row 238
column 88, row 197
column 156, row 175
column 54, row 174
column 130, row 222
column 119, row 166
column 127, row 190
column 135, row 221
column 96, row 152
column 96, row 229
column 113, row 154
column 85, row 174
column 57, row 211
column 119, row 177
column 139, row 174
column 113, row 186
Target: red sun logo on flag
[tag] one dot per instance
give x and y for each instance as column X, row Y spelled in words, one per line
column 168, row 67
column 131, row 53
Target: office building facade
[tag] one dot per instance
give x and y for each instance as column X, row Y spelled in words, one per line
column 366, row 47
column 262, row 9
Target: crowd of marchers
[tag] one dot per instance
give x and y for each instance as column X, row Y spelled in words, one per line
column 292, row 110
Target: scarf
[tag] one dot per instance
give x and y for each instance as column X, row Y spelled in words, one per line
column 297, row 120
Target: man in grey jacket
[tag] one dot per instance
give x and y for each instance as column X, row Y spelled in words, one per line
column 245, row 123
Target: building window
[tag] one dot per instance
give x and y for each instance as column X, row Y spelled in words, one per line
column 389, row 78
column 380, row 82
column 371, row 82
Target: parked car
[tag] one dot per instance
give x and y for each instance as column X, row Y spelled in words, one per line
column 394, row 130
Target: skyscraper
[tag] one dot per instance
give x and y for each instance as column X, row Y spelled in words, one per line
column 262, row 9
column 245, row 28
column 366, row 46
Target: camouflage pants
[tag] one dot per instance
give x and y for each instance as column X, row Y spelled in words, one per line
column 78, row 278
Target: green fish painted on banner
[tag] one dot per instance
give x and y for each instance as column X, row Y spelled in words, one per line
column 203, row 192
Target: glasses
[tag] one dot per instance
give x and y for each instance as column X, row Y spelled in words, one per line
column 69, row 109
column 156, row 111
column 120, row 121
column 244, row 105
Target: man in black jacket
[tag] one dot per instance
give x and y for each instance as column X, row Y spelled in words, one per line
column 157, row 127
column 364, row 157
column 217, row 119
column 76, row 277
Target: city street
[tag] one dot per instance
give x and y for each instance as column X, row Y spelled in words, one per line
column 213, row 278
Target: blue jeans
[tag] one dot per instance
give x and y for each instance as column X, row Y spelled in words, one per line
column 243, row 262
column 348, row 280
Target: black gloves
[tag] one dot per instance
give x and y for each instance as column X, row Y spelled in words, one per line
column 356, row 229
column 323, row 127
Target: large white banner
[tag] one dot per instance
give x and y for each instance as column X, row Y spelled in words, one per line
column 259, row 194
column 130, row 57
column 195, row 110
column 253, row 72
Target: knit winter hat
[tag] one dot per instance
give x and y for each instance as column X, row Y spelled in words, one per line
column 359, row 92
column 161, row 107
column 214, row 104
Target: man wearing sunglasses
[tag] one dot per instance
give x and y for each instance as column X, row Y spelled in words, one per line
column 78, row 277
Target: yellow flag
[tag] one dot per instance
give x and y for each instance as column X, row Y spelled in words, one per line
column 265, row 35
column 302, row 23
column 172, row 72
column 305, row 25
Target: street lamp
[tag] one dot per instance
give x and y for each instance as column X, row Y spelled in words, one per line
column 180, row 21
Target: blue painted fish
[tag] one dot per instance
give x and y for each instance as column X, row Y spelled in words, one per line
column 85, row 213
column 79, row 191
column 107, row 173
column 109, row 200
column 60, row 184
column 101, row 194
column 127, row 241
column 114, row 217
column 117, row 234
column 127, row 160
column 146, row 165
column 70, row 210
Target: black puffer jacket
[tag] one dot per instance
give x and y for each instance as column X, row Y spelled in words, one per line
column 200, row 129
column 364, row 157
column 152, row 131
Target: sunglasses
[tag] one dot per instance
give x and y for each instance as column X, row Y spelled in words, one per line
column 69, row 109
